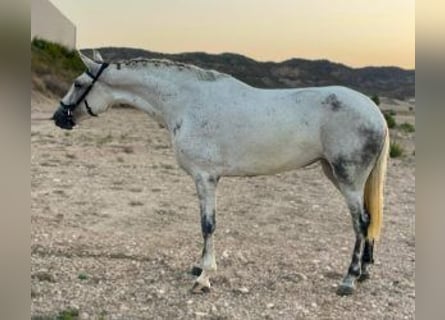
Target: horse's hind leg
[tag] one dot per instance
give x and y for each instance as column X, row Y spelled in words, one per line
column 367, row 259
column 350, row 177
column 360, row 222
column 206, row 188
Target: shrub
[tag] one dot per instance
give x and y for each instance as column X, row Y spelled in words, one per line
column 376, row 99
column 395, row 150
column 390, row 121
column 407, row 127
column 82, row 276
column 69, row 314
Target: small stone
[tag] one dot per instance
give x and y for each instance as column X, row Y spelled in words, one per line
column 243, row 290
column 301, row 276
column 270, row 305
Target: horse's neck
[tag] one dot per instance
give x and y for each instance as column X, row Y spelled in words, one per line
column 156, row 93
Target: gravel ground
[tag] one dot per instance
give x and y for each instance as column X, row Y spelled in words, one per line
column 115, row 233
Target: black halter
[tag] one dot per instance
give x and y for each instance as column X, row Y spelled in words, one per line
column 70, row 107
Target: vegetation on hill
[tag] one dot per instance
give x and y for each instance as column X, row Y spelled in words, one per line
column 53, row 67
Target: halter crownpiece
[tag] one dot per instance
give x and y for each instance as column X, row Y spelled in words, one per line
column 70, row 107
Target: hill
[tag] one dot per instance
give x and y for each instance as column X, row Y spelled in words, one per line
column 54, row 67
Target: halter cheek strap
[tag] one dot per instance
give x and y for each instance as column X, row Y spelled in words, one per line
column 70, row 107
column 90, row 112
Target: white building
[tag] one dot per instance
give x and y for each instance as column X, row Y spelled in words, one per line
column 48, row 23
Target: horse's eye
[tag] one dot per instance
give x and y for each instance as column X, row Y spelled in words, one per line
column 77, row 85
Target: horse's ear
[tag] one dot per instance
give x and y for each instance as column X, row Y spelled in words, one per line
column 97, row 56
column 90, row 64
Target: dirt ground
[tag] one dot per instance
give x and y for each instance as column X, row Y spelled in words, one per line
column 116, row 231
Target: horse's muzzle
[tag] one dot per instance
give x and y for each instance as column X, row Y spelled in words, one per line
column 63, row 118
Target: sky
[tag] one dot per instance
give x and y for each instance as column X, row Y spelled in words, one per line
column 354, row 32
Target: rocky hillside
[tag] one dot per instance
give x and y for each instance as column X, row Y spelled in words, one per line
column 391, row 82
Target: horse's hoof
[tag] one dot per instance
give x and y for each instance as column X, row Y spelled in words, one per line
column 198, row 288
column 196, row 271
column 345, row 290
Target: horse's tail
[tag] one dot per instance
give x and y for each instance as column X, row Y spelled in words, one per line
column 373, row 197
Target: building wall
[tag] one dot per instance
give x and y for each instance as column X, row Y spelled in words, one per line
column 48, row 23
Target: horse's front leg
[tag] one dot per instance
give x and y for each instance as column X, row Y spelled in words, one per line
column 206, row 187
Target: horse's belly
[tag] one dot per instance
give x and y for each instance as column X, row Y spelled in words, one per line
column 254, row 167
column 268, row 157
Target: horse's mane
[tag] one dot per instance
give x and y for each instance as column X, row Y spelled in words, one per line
column 202, row 74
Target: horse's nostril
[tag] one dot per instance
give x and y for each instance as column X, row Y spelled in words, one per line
column 63, row 120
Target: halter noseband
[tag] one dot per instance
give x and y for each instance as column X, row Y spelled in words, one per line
column 70, row 107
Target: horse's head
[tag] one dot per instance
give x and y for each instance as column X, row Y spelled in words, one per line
column 89, row 95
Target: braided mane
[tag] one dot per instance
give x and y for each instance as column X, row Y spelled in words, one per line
column 202, row 74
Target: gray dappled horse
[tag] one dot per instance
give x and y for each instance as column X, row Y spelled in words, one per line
column 220, row 126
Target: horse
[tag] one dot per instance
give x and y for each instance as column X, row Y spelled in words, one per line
column 222, row 127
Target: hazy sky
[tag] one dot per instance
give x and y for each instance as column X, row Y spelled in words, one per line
column 354, row 32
